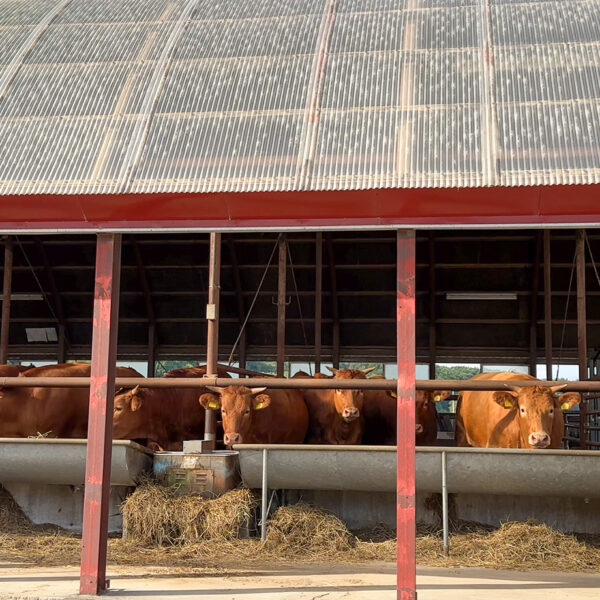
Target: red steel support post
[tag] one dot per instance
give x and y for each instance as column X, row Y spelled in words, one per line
column 102, row 388
column 405, row 487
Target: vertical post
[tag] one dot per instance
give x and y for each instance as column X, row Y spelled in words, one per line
column 405, row 486
column 61, row 353
column 533, row 312
column 581, row 332
column 281, row 300
column 445, row 505
column 212, row 336
column 240, row 300
column 432, row 328
column 151, row 349
column 547, row 305
column 264, row 496
column 102, row 389
column 6, row 297
column 318, row 299
column 335, row 358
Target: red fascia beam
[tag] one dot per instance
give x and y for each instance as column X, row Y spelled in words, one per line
column 405, row 485
column 519, row 206
column 102, row 389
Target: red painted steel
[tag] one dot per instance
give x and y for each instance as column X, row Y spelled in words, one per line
column 102, row 387
column 377, row 207
column 405, row 487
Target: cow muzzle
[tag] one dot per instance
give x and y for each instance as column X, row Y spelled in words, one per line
column 350, row 414
column 232, row 438
column 418, row 428
column 539, row 440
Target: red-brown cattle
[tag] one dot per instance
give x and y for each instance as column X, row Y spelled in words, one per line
column 381, row 416
column 161, row 418
column 13, row 370
column 52, row 412
column 336, row 415
column 518, row 417
column 251, row 416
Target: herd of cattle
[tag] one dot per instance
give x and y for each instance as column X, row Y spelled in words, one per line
column 526, row 417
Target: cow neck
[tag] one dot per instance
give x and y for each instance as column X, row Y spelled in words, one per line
column 346, row 431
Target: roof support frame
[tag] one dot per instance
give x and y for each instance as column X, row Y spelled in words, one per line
column 150, row 313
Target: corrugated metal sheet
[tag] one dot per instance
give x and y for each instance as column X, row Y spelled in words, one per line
column 142, row 96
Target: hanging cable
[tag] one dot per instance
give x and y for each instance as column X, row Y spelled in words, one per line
column 564, row 323
column 262, row 279
column 299, row 305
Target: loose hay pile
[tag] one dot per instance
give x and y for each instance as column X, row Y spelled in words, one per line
column 525, row 546
column 156, row 515
column 164, row 529
column 307, row 530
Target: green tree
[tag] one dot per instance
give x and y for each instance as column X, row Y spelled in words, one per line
column 458, row 372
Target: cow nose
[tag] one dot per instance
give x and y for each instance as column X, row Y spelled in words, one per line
column 232, row 438
column 539, row 439
column 349, row 414
column 419, row 428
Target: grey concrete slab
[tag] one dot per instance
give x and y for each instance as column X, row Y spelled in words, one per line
column 373, row 581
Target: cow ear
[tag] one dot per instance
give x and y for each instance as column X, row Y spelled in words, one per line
column 210, row 401
column 568, row 400
column 438, row 396
column 136, row 403
column 506, row 400
column 261, row 401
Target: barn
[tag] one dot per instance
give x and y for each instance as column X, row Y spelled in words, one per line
column 400, row 182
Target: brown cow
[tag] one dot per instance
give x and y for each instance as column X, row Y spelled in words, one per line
column 336, row 415
column 518, row 417
column 53, row 412
column 381, row 419
column 161, row 417
column 253, row 417
column 13, row 370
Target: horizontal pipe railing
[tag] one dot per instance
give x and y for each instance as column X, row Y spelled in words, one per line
column 300, row 383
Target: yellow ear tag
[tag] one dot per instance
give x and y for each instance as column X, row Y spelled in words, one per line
column 259, row 406
column 213, row 404
column 565, row 406
column 394, row 395
column 437, row 398
column 508, row 404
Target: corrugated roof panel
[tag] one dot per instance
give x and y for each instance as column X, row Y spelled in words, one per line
column 221, row 95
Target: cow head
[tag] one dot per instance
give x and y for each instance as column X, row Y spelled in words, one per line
column 537, row 408
column 126, row 416
column 349, row 403
column 425, row 407
column 237, row 405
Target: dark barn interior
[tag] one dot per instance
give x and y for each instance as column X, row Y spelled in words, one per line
column 480, row 296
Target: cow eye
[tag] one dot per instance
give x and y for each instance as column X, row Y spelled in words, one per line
column 551, row 411
column 522, row 411
column 247, row 411
column 223, row 411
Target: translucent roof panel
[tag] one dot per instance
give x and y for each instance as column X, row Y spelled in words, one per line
column 116, row 96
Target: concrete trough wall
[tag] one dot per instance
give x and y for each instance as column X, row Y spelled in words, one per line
column 489, row 486
column 46, row 477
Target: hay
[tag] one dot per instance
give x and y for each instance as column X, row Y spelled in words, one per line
column 188, row 532
column 157, row 516
column 523, row 546
column 306, row 530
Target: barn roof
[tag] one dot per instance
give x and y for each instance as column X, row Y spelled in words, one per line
column 130, row 96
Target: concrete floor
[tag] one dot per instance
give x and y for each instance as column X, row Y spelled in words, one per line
column 300, row 582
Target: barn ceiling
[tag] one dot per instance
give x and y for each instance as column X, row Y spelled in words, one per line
column 175, row 268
